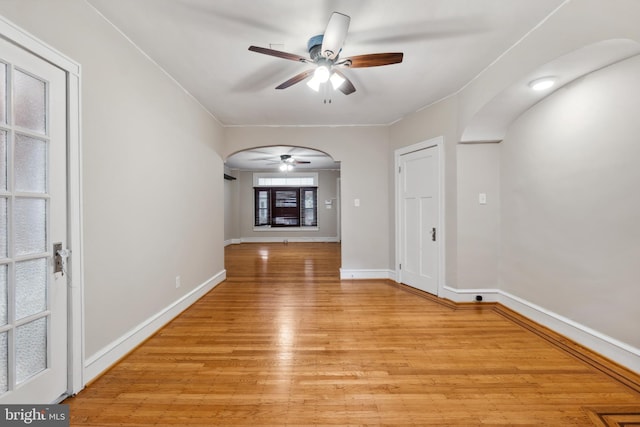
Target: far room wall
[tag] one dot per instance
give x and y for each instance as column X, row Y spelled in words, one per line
column 243, row 211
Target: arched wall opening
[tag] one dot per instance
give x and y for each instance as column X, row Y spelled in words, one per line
column 282, row 165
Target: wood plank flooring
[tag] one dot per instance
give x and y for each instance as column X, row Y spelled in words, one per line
column 284, row 342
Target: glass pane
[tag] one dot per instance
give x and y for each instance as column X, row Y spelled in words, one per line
column 30, row 102
column 30, row 164
column 286, row 199
column 3, row 295
column 309, row 217
column 30, row 226
column 3, row 227
column 3, row 93
column 309, row 199
column 263, row 207
column 31, row 349
column 4, row 363
column 31, row 287
column 3, row 160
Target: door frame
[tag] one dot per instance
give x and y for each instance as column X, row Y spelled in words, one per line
column 437, row 142
column 75, row 325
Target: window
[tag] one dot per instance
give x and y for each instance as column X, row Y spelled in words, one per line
column 289, row 200
column 286, row 206
column 295, row 179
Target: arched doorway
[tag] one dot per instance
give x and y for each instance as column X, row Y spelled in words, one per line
column 252, row 215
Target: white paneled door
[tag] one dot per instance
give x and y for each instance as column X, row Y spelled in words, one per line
column 419, row 218
column 33, row 217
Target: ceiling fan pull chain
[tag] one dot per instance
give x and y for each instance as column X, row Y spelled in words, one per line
column 327, row 94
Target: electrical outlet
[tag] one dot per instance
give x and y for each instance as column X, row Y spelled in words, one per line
column 178, row 282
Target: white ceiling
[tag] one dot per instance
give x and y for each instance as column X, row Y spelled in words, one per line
column 203, row 45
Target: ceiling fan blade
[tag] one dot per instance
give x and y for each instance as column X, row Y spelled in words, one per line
column 279, row 54
column 372, row 60
column 302, row 162
column 335, row 34
column 346, row 87
column 295, row 79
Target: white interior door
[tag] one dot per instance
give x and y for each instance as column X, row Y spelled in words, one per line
column 33, row 298
column 419, row 219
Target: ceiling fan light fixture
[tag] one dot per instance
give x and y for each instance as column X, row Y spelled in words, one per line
column 284, row 167
column 336, row 80
column 322, row 74
column 314, row 84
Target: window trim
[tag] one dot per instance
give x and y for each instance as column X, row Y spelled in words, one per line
column 258, row 175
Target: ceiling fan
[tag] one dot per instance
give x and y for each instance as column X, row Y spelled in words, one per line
column 324, row 51
column 287, row 162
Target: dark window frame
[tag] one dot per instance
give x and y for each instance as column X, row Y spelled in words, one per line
column 282, row 207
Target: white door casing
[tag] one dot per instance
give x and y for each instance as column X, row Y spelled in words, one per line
column 419, row 248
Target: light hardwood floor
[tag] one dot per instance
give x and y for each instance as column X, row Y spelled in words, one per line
column 284, row 342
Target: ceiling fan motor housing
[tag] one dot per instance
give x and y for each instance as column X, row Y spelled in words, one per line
column 314, row 45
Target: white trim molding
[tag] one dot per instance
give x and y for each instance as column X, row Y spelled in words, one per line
column 102, row 360
column 609, row 347
column 347, row 274
column 469, row 295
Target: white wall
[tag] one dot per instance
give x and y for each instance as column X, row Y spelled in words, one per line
column 570, row 205
column 152, row 176
column 478, row 224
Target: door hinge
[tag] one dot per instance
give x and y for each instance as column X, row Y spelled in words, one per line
column 399, row 169
column 400, row 267
column 433, row 234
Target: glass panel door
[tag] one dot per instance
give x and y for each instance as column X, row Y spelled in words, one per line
column 32, row 217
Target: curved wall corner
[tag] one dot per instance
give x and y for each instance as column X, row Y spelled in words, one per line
column 492, row 120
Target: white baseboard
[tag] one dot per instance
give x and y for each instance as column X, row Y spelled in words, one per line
column 232, row 242
column 281, row 239
column 609, row 347
column 469, row 295
column 110, row 354
column 346, row 274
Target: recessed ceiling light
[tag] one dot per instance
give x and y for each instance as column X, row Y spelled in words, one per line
column 542, row 83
